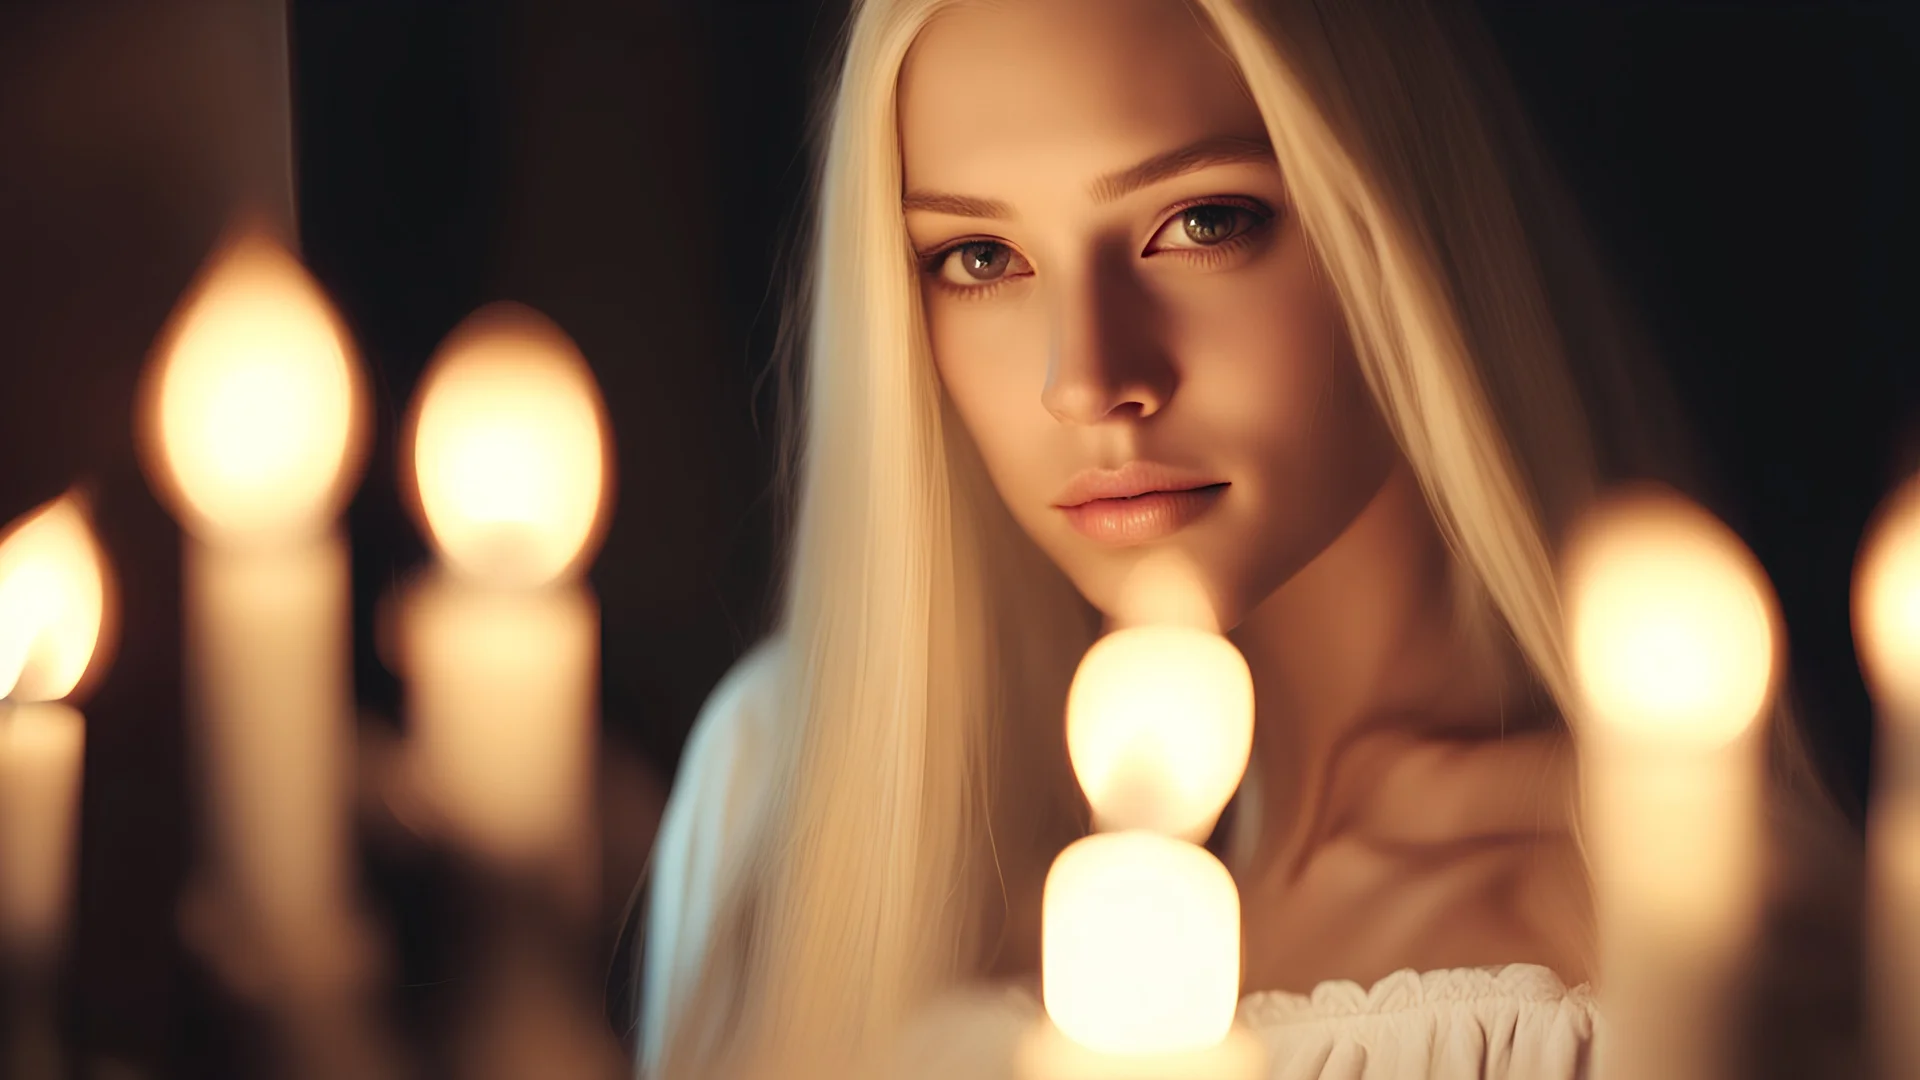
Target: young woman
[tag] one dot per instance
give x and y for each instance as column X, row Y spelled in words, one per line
column 1270, row 287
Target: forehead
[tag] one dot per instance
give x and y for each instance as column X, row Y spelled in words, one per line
column 996, row 94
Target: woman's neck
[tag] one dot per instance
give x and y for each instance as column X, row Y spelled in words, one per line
column 1365, row 647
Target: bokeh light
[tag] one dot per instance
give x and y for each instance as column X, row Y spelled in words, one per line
column 509, row 446
column 1671, row 620
column 1160, row 727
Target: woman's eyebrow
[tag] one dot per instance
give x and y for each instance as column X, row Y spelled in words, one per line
column 940, row 202
column 1219, row 150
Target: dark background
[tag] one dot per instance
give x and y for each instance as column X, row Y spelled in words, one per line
column 630, row 167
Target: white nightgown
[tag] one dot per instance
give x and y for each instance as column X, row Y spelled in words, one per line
column 1518, row 1022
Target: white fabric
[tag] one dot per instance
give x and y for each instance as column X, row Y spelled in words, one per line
column 1518, row 1022
column 709, row 816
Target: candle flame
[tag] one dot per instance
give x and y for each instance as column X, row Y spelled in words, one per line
column 1886, row 601
column 509, row 449
column 52, row 602
column 1160, row 727
column 1671, row 620
column 253, row 398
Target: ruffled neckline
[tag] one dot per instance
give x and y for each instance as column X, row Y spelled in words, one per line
column 1408, row 989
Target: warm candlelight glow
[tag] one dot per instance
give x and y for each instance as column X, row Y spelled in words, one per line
column 1140, row 942
column 1671, row 621
column 1886, row 635
column 509, row 449
column 254, row 400
column 52, row 602
column 1159, row 727
column 1165, row 588
column 1886, row 603
column 1672, row 628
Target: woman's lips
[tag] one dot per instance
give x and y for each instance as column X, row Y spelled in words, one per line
column 1140, row 502
column 1142, row 518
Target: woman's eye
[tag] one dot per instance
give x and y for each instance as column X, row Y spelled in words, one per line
column 980, row 262
column 1207, row 225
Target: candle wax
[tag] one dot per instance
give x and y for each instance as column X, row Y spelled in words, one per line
column 1047, row 1054
column 1893, row 901
column 501, row 708
column 268, row 678
column 41, row 747
column 1676, row 844
column 998, row 1032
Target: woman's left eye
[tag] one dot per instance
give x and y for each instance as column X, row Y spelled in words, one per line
column 1207, row 225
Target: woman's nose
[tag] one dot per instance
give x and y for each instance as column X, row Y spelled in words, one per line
column 1106, row 359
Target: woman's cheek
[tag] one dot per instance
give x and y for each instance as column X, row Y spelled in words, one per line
column 1254, row 358
column 994, row 376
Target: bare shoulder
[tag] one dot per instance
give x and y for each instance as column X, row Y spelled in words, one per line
column 1456, row 854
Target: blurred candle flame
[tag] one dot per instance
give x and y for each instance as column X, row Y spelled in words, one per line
column 253, row 400
column 52, row 602
column 1671, row 621
column 1160, row 728
column 509, row 450
column 1886, row 603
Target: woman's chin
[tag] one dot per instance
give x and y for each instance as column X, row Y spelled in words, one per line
column 1164, row 586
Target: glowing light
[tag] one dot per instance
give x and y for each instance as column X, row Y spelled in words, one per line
column 1886, row 603
column 1671, row 621
column 52, row 602
column 1140, row 944
column 509, row 449
column 1159, row 728
column 1165, row 588
column 254, row 399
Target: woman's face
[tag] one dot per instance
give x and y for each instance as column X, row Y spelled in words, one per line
column 1123, row 309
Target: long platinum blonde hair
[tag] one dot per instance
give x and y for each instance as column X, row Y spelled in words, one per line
column 926, row 645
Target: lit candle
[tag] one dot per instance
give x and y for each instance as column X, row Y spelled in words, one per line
column 1671, row 624
column 1140, row 927
column 1886, row 620
column 507, row 452
column 253, row 437
column 508, row 449
column 52, row 601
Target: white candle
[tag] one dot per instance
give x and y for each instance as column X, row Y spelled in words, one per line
column 501, row 712
column 267, row 644
column 253, row 436
column 41, row 747
column 1671, row 624
column 52, row 605
column 1886, row 616
column 1140, row 934
column 508, row 446
column 1140, row 944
